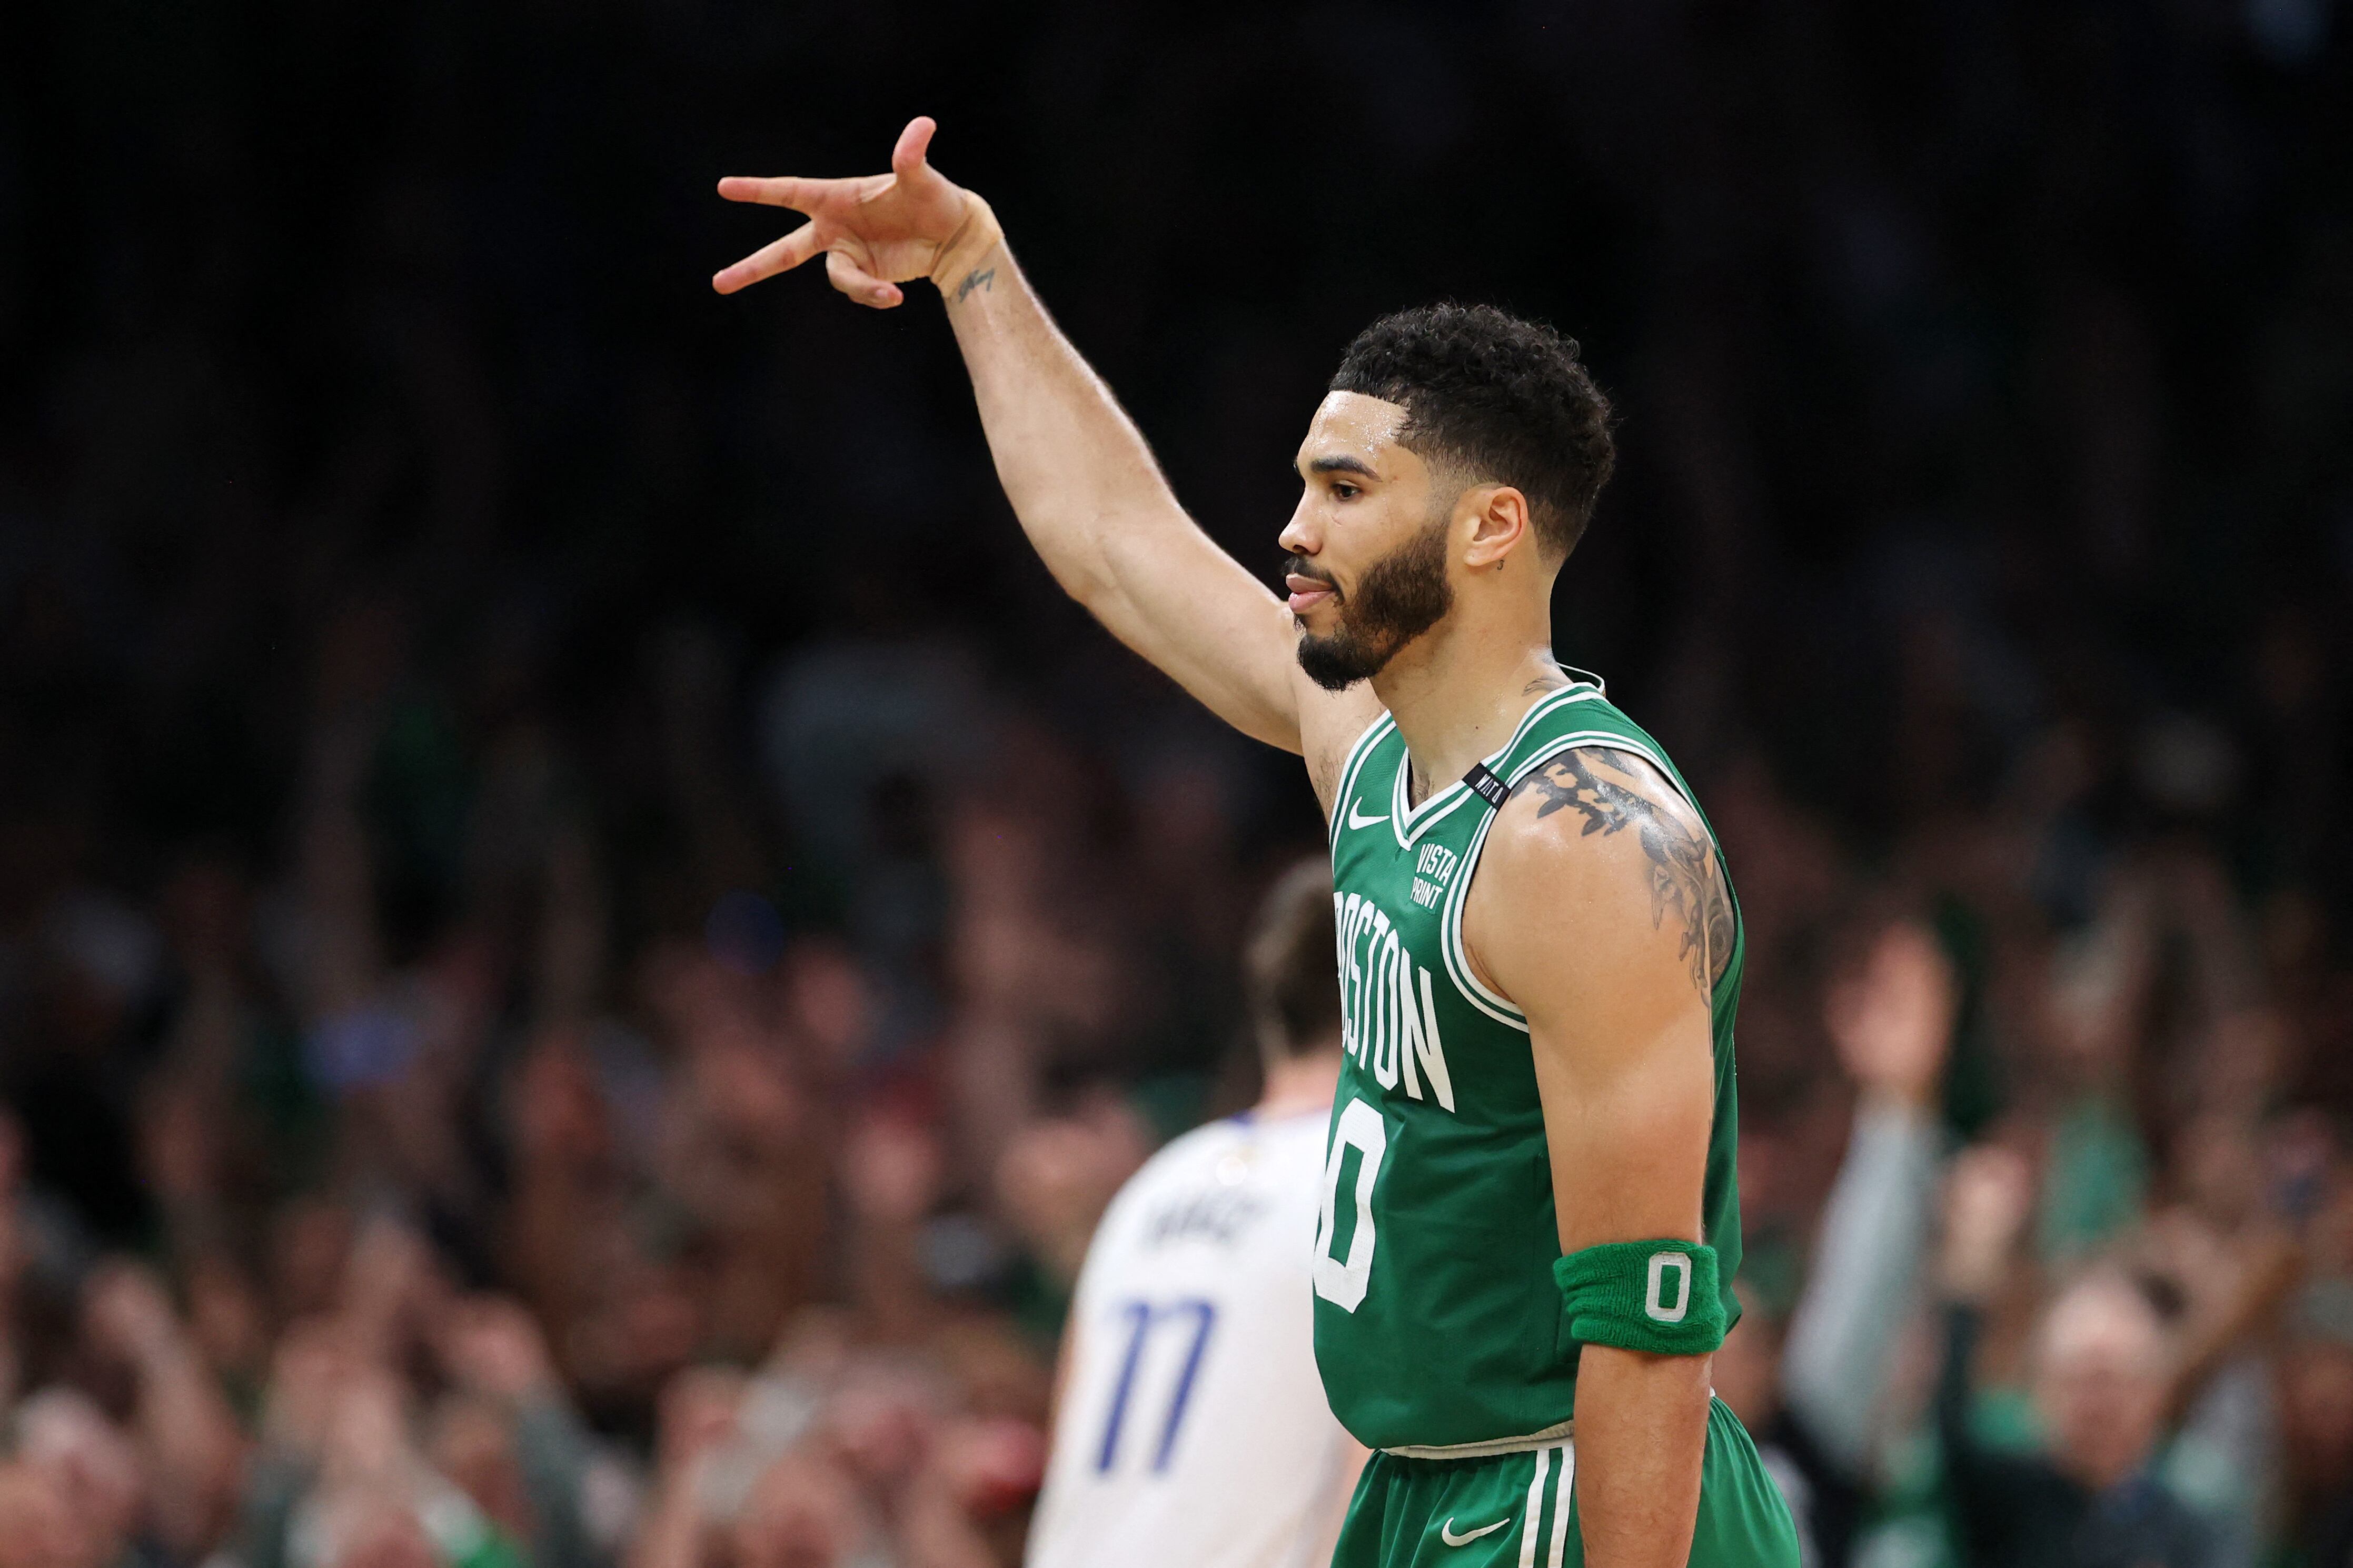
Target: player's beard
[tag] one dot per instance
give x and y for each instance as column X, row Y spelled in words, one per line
column 1401, row 596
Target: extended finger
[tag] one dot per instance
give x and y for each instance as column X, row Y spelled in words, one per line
column 860, row 284
column 779, row 256
column 783, row 190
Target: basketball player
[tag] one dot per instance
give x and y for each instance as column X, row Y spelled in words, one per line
column 1190, row 1379
column 1529, row 1221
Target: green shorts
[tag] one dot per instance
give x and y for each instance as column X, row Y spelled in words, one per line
column 1519, row 1510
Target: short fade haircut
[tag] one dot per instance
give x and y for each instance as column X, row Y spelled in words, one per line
column 1290, row 964
column 1505, row 400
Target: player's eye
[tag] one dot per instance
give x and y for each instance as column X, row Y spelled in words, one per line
column 1343, row 491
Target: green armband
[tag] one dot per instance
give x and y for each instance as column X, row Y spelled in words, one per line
column 1655, row 1296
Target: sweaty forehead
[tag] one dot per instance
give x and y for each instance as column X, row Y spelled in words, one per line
column 1349, row 425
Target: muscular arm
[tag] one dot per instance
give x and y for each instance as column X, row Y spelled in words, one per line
column 1599, row 911
column 1079, row 474
column 1101, row 516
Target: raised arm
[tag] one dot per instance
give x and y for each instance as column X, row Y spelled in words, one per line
column 1080, row 475
column 1892, row 1024
column 1598, row 909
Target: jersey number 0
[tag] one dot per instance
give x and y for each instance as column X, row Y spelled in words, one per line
column 1342, row 1281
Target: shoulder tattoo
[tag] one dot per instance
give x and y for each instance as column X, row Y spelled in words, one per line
column 1685, row 880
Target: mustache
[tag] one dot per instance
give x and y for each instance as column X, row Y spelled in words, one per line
column 1299, row 567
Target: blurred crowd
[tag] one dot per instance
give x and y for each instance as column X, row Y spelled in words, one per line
column 390, row 1209
column 584, row 936
column 354, row 1217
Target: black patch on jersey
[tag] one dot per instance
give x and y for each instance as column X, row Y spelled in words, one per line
column 1485, row 785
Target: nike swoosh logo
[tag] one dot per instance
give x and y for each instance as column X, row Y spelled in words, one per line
column 1357, row 821
column 1446, row 1531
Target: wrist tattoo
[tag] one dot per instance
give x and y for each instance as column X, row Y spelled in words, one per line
column 975, row 279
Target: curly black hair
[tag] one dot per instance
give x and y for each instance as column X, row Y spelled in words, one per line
column 1504, row 399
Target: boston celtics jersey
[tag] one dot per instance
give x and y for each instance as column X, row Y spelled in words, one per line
column 1437, row 1325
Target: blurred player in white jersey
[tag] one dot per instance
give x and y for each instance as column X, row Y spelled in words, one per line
column 1192, row 1428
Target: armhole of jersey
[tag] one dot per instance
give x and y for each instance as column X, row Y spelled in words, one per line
column 1350, row 766
column 1449, row 943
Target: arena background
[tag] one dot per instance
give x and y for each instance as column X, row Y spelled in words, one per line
column 522, row 781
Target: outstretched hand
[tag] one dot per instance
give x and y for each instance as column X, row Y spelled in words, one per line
column 1893, row 1021
column 876, row 231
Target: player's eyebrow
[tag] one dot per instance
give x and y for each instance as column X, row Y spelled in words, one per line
column 1342, row 464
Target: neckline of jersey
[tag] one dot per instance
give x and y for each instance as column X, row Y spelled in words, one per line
column 1410, row 824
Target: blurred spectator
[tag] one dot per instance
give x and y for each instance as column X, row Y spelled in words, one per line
column 66, row 1441
column 2100, row 1361
column 584, row 938
column 1816, row 1393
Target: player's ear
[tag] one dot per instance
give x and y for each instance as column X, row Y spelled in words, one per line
column 1500, row 526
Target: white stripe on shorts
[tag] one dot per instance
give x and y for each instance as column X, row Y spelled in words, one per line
column 1535, row 1510
column 1560, row 1504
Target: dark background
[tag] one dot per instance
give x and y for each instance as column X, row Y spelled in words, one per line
column 438, row 629
column 2033, row 315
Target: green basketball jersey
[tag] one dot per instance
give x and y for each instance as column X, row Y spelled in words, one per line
column 1437, row 1325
